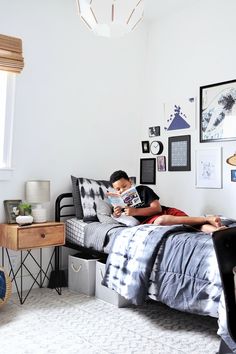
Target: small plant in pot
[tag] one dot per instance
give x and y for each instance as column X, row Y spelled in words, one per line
column 25, row 217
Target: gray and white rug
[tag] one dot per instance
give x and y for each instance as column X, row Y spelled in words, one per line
column 76, row 324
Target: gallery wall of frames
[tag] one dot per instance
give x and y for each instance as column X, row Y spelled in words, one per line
column 216, row 122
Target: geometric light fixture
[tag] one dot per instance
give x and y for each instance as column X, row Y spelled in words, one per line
column 111, row 18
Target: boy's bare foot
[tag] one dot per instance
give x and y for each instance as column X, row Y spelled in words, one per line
column 214, row 221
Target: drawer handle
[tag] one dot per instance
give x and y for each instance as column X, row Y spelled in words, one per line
column 43, row 235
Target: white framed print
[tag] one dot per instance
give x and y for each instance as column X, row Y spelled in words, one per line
column 208, row 168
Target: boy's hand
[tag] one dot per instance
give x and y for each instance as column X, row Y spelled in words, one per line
column 130, row 211
column 117, row 211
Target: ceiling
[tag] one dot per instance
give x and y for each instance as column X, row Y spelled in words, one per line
column 156, row 9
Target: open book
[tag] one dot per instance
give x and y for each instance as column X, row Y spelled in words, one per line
column 127, row 198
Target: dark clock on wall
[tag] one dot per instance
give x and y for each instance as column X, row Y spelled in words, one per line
column 156, row 147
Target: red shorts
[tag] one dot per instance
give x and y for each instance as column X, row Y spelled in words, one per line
column 166, row 211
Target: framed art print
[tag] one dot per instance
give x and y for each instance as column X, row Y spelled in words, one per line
column 145, row 147
column 148, row 171
column 154, row 131
column 218, row 112
column 161, row 163
column 233, row 175
column 208, row 168
column 179, row 153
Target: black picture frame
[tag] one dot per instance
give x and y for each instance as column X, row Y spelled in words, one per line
column 133, row 179
column 154, row 131
column 148, row 171
column 179, row 153
column 233, row 175
column 11, row 207
column 218, row 112
column 145, row 147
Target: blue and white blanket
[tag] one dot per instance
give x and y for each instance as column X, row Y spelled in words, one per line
column 131, row 258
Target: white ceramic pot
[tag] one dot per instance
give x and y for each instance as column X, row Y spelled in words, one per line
column 24, row 219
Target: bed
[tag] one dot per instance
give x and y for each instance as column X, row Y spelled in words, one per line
column 177, row 265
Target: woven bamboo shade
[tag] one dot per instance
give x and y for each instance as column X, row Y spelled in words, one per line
column 11, row 58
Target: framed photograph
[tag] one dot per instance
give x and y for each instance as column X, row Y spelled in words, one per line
column 208, row 168
column 154, row 131
column 218, row 112
column 179, row 153
column 233, row 175
column 161, row 163
column 145, row 147
column 148, row 171
column 11, row 210
column 133, row 179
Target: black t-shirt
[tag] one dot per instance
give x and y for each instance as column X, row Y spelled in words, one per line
column 147, row 196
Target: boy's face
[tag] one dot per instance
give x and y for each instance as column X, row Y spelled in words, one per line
column 122, row 185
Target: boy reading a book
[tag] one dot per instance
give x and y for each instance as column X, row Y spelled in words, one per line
column 150, row 211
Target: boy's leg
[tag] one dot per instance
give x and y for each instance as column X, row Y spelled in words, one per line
column 213, row 222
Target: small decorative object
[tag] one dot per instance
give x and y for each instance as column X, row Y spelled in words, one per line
column 38, row 192
column 11, row 210
column 156, row 147
column 232, row 160
column 154, row 131
column 208, row 168
column 111, row 18
column 218, row 111
column 24, row 217
column 233, row 175
column 148, row 171
column 161, row 163
column 145, row 147
column 179, row 153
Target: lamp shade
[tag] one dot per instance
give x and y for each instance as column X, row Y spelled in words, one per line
column 37, row 191
column 111, row 18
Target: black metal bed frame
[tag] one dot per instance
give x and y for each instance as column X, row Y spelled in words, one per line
column 225, row 247
column 64, row 209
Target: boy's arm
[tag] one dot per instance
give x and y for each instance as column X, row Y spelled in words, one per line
column 153, row 209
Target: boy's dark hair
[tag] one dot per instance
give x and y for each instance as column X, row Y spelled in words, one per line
column 118, row 175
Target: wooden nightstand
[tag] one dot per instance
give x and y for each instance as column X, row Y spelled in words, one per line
column 24, row 239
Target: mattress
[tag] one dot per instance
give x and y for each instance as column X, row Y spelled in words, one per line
column 75, row 231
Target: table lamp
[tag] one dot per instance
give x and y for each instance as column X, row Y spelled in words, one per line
column 36, row 193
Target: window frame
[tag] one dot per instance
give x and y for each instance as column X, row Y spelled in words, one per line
column 6, row 163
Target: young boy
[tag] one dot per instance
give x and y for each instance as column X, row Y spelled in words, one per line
column 150, row 211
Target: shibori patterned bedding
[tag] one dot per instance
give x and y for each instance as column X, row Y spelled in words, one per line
column 176, row 265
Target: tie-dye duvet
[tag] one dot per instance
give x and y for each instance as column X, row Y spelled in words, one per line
column 176, row 265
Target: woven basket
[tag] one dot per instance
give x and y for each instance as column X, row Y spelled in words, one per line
column 6, row 287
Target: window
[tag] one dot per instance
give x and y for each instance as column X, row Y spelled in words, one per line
column 11, row 62
column 7, row 81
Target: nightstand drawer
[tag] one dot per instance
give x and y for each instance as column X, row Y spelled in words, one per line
column 41, row 236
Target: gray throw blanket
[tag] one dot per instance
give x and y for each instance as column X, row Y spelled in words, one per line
column 132, row 256
column 96, row 235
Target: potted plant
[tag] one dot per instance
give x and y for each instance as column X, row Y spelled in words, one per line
column 25, row 217
column 24, row 209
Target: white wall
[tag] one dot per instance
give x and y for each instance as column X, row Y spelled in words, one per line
column 78, row 98
column 190, row 48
